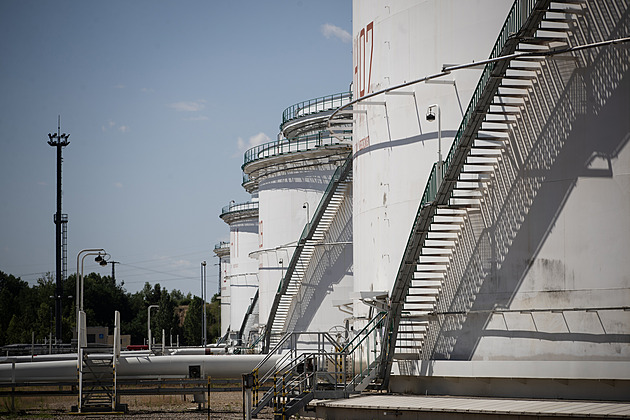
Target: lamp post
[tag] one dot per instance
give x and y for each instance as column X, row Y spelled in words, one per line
column 149, row 322
column 59, row 141
column 203, row 296
column 79, row 285
column 432, row 112
column 308, row 218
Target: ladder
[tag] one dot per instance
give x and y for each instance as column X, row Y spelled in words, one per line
column 97, row 383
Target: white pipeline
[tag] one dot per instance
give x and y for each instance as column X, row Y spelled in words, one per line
column 140, row 366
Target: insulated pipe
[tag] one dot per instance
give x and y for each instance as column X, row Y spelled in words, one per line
column 64, row 356
column 141, row 366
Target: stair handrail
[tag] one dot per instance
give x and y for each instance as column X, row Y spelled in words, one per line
column 250, row 309
column 224, row 337
column 292, row 358
column 339, row 377
column 293, row 352
column 353, row 345
column 307, row 233
column 363, row 333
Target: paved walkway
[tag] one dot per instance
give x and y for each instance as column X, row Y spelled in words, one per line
column 414, row 406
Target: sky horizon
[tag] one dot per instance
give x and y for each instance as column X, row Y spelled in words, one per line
column 161, row 100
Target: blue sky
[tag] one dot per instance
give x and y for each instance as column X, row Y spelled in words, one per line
column 161, row 99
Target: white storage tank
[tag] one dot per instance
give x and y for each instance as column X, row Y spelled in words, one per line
column 394, row 146
column 290, row 176
column 222, row 251
column 536, row 286
column 243, row 277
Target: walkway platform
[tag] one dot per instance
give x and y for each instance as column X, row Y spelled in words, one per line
column 403, row 407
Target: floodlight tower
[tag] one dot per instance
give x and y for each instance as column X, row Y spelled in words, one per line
column 59, row 141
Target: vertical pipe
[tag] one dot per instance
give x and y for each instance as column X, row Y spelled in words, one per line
column 205, row 297
column 203, row 301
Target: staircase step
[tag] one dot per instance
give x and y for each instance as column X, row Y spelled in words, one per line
column 420, row 299
column 559, row 20
column 552, row 30
column 568, row 11
column 540, row 40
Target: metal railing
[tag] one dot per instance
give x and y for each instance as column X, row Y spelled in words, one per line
column 248, row 313
column 232, row 207
column 313, row 106
column 293, row 145
column 327, row 367
column 362, row 355
column 323, row 345
column 222, row 245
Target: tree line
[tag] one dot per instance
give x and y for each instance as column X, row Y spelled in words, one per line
column 26, row 310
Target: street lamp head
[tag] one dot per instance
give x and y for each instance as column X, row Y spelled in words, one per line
column 103, row 263
column 98, row 258
column 432, row 111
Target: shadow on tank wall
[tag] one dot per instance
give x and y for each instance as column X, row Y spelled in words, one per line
column 334, row 263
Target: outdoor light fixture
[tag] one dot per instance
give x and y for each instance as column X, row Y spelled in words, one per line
column 100, row 259
column 308, row 217
column 433, row 112
column 79, row 286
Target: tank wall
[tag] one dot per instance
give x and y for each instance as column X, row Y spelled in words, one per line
column 244, row 269
column 571, row 251
column 225, row 294
column 329, row 276
column 282, row 218
column 394, row 145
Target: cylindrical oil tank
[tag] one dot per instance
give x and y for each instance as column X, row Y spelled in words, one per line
column 222, row 250
column 243, row 278
column 394, row 144
column 290, row 176
column 288, row 196
column 538, row 278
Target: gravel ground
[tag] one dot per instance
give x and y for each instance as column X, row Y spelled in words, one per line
column 223, row 405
